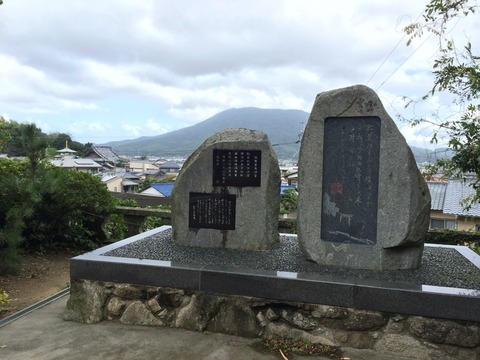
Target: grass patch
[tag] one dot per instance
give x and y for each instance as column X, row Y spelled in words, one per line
column 300, row 347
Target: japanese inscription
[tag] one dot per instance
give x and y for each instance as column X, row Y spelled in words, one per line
column 237, row 167
column 212, row 211
column 351, row 156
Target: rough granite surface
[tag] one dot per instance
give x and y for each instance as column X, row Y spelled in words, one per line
column 403, row 204
column 256, row 214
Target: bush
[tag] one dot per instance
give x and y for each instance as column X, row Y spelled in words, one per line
column 15, row 206
column 288, row 201
column 455, row 237
column 116, row 226
column 71, row 212
column 4, row 300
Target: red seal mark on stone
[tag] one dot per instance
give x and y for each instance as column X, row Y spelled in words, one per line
column 336, row 188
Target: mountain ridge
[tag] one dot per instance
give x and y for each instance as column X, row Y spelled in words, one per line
column 283, row 128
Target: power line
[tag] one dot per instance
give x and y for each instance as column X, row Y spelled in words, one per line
column 385, row 60
column 398, row 68
column 390, row 53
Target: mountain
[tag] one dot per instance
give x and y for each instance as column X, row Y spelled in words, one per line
column 423, row 155
column 281, row 126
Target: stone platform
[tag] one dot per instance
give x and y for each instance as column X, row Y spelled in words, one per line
column 447, row 286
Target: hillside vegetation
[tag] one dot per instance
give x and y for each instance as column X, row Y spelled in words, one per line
column 283, row 128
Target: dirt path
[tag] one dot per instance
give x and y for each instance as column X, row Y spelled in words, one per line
column 42, row 275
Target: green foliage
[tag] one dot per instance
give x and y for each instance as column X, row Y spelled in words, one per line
column 4, row 136
column 16, row 203
column 12, row 167
column 457, row 72
column 43, row 206
column 115, row 226
column 10, row 134
column 16, row 141
column 299, row 346
column 33, row 144
column 126, row 202
column 288, row 201
column 146, row 184
column 470, row 239
column 72, row 209
column 4, row 299
column 62, row 140
column 10, row 261
column 152, row 222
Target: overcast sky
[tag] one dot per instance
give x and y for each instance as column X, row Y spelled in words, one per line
column 119, row 69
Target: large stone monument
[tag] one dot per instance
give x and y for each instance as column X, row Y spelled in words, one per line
column 228, row 193
column 362, row 201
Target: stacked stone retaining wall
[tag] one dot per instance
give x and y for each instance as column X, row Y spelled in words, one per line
column 400, row 335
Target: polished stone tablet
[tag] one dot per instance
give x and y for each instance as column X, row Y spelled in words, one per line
column 350, row 174
column 212, row 211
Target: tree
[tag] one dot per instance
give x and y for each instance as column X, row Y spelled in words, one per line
column 18, row 197
column 456, row 71
column 71, row 212
column 13, row 132
column 15, row 207
column 62, row 140
column 3, row 133
column 43, row 206
column 33, row 143
column 59, row 140
column 288, row 200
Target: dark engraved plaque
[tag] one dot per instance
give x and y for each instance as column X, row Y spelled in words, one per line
column 237, row 167
column 212, row 211
column 351, row 157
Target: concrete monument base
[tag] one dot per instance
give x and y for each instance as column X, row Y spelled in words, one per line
column 342, row 308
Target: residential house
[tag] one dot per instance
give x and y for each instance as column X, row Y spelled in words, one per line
column 447, row 209
column 141, row 166
column 84, row 165
column 113, row 182
column 292, row 178
column 130, row 182
column 104, row 155
column 159, row 189
column 125, row 182
column 170, row 167
column 153, row 175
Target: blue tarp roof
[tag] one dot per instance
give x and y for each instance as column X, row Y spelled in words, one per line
column 163, row 188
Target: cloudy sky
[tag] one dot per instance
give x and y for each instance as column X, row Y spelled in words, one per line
column 119, row 69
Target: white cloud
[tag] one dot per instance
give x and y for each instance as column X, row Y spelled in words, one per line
column 131, row 130
column 193, row 59
column 153, row 127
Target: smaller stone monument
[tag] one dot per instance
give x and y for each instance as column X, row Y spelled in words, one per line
column 362, row 201
column 228, row 192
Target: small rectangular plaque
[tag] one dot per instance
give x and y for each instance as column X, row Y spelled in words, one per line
column 237, row 167
column 351, row 158
column 212, row 211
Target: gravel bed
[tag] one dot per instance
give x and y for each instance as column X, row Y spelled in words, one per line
column 444, row 267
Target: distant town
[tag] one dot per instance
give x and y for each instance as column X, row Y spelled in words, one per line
column 155, row 176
